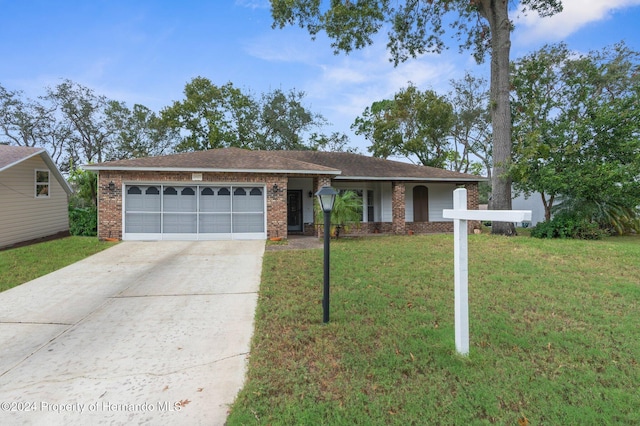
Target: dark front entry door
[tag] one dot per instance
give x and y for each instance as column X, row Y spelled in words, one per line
column 294, row 210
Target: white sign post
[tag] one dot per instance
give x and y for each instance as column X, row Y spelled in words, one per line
column 460, row 215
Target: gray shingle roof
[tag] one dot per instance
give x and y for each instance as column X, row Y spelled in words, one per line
column 344, row 165
column 225, row 159
column 10, row 155
column 354, row 166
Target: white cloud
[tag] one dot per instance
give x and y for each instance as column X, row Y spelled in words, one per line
column 253, row 4
column 531, row 28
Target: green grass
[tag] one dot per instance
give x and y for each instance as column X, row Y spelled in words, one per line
column 554, row 333
column 23, row 264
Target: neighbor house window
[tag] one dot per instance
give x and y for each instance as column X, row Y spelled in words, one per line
column 42, row 183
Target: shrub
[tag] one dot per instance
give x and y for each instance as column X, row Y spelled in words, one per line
column 565, row 225
column 83, row 222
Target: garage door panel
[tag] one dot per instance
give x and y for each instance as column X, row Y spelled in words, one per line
column 176, row 223
column 215, row 199
column 136, row 223
column 179, row 199
column 215, row 223
column 248, row 222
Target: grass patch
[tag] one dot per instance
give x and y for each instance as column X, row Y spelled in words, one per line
column 553, row 332
column 24, row 264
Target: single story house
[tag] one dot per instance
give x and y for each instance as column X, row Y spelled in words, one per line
column 233, row 193
column 34, row 196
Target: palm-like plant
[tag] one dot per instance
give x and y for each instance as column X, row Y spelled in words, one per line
column 607, row 213
column 347, row 209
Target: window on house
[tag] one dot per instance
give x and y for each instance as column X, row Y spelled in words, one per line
column 370, row 217
column 42, row 183
column 420, row 204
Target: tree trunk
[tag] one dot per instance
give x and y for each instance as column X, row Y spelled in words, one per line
column 497, row 14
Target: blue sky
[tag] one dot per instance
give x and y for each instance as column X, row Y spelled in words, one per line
column 146, row 51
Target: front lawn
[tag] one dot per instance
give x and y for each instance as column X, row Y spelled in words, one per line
column 24, row 264
column 554, row 335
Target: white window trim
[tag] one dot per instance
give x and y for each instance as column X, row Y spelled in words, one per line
column 37, row 183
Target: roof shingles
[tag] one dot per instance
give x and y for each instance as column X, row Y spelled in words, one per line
column 10, row 155
column 346, row 165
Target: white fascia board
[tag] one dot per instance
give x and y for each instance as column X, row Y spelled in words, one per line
column 207, row 170
column 399, row 178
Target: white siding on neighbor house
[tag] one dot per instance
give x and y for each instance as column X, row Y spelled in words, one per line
column 306, row 185
column 440, row 198
column 533, row 203
column 24, row 217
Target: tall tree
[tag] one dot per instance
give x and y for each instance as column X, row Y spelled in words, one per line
column 416, row 27
column 140, row 132
column 212, row 116
column 215, row 117
column 85, row 112
column 413, row 124
column 285, row 122
column 26, row 122
column 471, row 132
column 577, row 131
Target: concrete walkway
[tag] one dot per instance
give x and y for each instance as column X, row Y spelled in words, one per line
column 142, row 333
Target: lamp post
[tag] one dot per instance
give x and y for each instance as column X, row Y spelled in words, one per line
column 326, row 196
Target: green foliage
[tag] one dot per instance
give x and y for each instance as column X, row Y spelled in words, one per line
column 85, row 186
column 83, row 221
column 140, row 132
column 471, row 131
column 412, row 124
column 577, row 131
column 347, row 210
column 567, row 225
column 414, row 28
column 213, row 116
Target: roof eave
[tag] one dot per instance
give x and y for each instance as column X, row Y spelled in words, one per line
column 421, row 179
column 209, row 170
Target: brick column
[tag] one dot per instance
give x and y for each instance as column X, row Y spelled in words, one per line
column 109, row 206
column 277, row 207
column 398, row 207
column 473, row 201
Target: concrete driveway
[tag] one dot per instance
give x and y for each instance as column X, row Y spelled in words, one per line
column 141, row 333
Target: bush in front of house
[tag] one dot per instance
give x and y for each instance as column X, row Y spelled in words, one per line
column 83, row 221
column 566, row 225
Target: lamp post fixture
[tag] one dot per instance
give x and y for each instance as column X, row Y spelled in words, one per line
column 326, row 196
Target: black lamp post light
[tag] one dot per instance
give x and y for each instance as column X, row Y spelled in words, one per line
column 326, row 196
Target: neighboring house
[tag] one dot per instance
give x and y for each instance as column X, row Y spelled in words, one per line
column 533, row 203
column 33, row 195
column 233, row 193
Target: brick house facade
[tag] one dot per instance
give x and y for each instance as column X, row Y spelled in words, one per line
column 278, row 174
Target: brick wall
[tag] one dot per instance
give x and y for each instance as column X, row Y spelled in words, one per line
column 473, row 201
column 398, row 205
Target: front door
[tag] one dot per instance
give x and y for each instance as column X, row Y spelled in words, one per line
column 294, row 210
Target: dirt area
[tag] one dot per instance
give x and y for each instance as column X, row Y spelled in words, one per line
column 296, row 242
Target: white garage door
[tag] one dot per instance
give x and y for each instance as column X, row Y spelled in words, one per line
column 194, row 212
